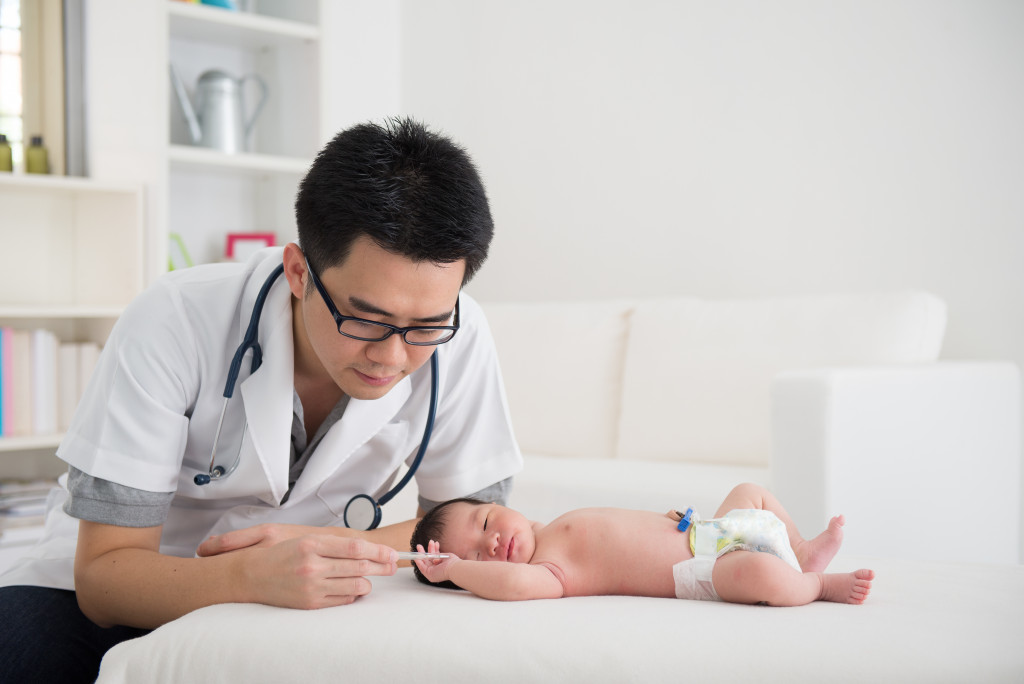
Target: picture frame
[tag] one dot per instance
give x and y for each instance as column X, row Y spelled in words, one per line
column 240, row 246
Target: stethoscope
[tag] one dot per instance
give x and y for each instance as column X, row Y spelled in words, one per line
column 362, row 512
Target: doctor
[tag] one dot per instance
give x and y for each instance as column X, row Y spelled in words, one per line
column 393, row 221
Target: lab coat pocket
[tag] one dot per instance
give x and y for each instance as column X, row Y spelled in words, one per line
column 368, row 469
column 245, row 476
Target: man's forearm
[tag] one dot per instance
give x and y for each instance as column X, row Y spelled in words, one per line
column 396, row 536
column 122, row 578
column 143, row 588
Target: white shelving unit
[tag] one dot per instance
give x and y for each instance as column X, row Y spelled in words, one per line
column 72, row 260
column 327, row 64
column 76, row 251
column 252, row 191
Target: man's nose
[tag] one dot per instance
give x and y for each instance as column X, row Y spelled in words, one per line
column 390, row 352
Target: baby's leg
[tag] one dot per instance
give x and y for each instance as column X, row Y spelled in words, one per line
column 815, row 554
column 749, row 577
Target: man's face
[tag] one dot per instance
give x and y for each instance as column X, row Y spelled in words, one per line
column 377, row 285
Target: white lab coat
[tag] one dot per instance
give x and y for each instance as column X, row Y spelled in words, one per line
column 149, row 415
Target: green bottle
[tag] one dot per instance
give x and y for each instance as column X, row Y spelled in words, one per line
column 35, row 156
column 6, row 160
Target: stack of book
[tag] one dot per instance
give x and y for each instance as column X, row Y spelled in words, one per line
column 22, row 510
column 41, row 381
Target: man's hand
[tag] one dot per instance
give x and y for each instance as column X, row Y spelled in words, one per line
column 316, row 571
column 436, row 569
column 121, row 578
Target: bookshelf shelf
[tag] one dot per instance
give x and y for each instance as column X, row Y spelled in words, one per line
column 183, row 157
column 244, row 29
column 61, row 184
column 30, row 442
column 32, row 313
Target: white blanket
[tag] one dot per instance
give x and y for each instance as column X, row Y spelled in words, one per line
column 923, row 622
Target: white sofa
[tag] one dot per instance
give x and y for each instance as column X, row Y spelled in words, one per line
column 836, row 403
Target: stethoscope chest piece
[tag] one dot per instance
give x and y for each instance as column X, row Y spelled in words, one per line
column 362, row 513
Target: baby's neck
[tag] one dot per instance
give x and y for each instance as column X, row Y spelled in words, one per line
column 539, row 533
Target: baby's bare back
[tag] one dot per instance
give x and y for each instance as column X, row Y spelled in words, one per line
column 613, row 551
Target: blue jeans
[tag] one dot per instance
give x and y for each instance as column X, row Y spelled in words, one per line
column 44, row 637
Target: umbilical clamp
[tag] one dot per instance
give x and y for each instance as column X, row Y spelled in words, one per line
column 686, row 520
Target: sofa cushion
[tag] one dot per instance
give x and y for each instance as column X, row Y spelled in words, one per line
column 698, row 373
column 562, row 366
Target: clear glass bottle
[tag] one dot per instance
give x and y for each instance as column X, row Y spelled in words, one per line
column 36, row 160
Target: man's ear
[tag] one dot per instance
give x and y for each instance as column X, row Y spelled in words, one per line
column 295, row 269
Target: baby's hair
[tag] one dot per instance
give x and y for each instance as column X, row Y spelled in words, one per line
column 431, row 527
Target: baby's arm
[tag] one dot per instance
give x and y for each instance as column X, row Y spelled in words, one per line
column 491, row 579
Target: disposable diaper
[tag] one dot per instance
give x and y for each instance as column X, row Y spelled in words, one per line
column 738, row 530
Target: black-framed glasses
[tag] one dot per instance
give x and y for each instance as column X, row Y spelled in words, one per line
column 374, row 331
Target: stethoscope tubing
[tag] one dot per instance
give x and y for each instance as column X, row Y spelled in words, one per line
column 250, row 340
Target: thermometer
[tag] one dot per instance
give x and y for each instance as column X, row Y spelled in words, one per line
column 418, row 555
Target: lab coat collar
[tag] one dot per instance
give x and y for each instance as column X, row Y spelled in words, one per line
column 361, row 421
column 267, row 394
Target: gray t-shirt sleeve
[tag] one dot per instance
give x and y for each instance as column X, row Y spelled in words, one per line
column 496, row 493
column 102, row 501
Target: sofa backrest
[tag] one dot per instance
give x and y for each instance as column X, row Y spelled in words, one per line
column 562, row 365
column 685, row 378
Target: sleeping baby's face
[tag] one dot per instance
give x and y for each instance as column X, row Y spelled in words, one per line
column 488, row 532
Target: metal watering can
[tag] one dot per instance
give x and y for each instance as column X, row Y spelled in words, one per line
column 218, row 119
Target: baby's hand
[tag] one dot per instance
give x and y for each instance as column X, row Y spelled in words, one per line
column 436, row 569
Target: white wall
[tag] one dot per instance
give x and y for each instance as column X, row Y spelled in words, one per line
column 359, row 62
column 740, row 148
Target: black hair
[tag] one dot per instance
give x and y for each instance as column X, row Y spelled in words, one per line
column 413, row 192
column 431, row 527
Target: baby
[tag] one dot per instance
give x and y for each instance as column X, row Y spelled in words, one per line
column 750, row 553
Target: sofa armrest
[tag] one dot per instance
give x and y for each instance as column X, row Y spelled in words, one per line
column 924, row 459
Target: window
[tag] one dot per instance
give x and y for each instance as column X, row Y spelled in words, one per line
column 10, row 77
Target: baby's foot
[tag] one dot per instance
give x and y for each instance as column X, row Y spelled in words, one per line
column 815, row 554
column 848, row 587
